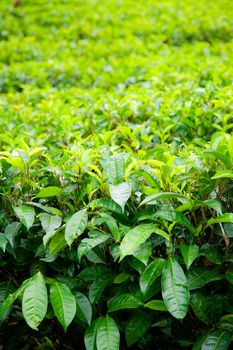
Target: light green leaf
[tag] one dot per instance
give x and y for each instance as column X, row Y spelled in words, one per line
column 189, row 253
column 3, row 242
column 49, row 223
column 217, row 340
column 106, row 204
column 121, row 193
column 26, row 215
column 90, row 335
column 124, row 301
column 12, row 297
column 35, row 301
column 89, row 243
column 157, row 305
column 134, row 238
column 174, row 289
column 75, row 226
column 63, row 303
column 154, row 198
column 112, row 225
column 122, row 277
column 223, row 174
column 143, row 252
column 108, row 335
column 11, row 231
column 115, row 168
column 150, row 274
column 162, row 233
column 57, row 243
column 84, row 309
column 226, row 217
column 175, row 216
column 49, row 191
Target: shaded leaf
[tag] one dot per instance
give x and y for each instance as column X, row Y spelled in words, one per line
column 152, row 271
column 124, row 301
column 83, row 308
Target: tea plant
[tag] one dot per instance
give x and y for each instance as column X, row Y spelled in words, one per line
column 116, row 163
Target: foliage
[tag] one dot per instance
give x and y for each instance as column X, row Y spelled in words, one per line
column 116, row 160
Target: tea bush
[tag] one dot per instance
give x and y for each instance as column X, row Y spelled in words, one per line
column 116, row 161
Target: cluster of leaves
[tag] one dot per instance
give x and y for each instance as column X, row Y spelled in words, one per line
column 116, row 211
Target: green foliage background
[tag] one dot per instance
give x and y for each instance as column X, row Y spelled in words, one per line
column 116, row 209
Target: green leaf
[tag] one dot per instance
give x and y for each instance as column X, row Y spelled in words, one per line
column 221, row 174
column 3, row 242
column 198, row 277
column 226, row 323
column 137, row 326
column 226, row 217
column 49, row 191
column 217, row 340
column 189, row 253
column 106, row 204
column 108, row 335
column 98, row 286
column 11, row 232
column 90, row 335
column 134, row 238
column 124, row 301
column 174, row 216
column 162, row 233
column 200, row 306
column 5, row 289
column 174, row 289
column 63, row 303
column 75, row 226
column 35, row 301
column 154, row 198
column 212, row 203
column 26, row 215
column 122, row 277
column 12, row 297
column 150, row 274
column 115, row 168
column 157, row 305
column 89, row 243
column 49, row 223
column 121, row 193
column 112, row 225
column 143, row 252
column 57, row 243
column 83, row 308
